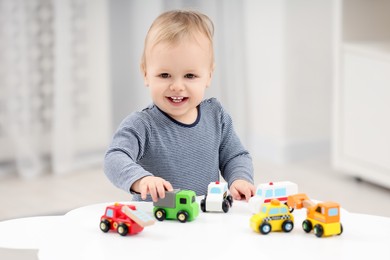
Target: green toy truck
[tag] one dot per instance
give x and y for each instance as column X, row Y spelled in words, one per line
column 177, row 204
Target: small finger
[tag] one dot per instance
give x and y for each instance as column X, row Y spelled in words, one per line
column 247, row 195
column 144, row 192
column 168, row 186
column 235, row 194
column 153, row 192
column 161, row 191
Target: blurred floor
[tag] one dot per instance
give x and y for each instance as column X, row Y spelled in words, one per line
column 56, row 195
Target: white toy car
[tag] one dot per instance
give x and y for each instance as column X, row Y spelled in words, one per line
column 265, row 192
column 217, row 198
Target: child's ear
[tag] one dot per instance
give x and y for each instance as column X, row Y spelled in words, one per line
column 211, row 75
column 143, row 71
column 146, row 80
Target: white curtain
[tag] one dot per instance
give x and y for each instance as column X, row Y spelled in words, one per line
column 54, row 78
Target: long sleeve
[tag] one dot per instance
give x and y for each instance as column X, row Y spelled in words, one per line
column 150, row 142
column 127, row 148
column 235, row 160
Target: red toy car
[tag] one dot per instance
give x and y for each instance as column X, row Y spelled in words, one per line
column 125, row 219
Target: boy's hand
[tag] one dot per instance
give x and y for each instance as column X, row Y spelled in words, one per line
column 241, row 189
column 155, row 186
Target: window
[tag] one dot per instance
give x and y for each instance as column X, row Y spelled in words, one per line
column 283, row 210
column 183, row 201
column 259, row 192
column 280, row 192
column 110, row 213
column 273, row 211
column 215, row 190
column 333, row 212
column 268, row 193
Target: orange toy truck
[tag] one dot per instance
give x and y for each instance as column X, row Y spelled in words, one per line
column 323, row 217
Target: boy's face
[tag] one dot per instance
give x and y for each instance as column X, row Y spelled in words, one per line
column 178, row 75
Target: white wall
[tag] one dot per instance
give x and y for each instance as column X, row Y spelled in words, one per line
column 308, row 76
column 128, row 30
column 289, row 74
column 265, row 77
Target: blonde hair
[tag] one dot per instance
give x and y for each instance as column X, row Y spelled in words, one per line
column 174, row 25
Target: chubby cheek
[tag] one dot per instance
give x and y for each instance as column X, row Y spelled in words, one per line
column 147, row 80
column 156, row 93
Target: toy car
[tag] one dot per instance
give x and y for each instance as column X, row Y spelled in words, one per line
column 177, row 204
column 217, row 198
column 265, row 192
column 273, row 216
column 323, row 217
column 125, row 219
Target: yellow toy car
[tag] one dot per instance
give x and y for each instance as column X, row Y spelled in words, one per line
column 273, row 216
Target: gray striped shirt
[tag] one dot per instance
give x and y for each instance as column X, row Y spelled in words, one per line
column 150, row 142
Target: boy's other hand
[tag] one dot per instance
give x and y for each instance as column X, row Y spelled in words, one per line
column 241, row 189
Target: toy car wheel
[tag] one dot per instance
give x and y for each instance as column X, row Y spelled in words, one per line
column 230, row 199
column 104, row 225
column 341, row 229
column 307, row 226
column 160, row 214
column 123, row 229
column 225, row 206
column 203, row 204
column 182, row 216
column 318, row 230
column 265, row 228
column 287, row 226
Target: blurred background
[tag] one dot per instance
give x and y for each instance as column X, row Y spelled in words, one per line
column 307, row 83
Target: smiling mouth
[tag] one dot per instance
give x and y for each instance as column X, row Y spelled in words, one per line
column 177, row 99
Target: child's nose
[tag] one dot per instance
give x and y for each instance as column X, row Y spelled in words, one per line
column 177, row 85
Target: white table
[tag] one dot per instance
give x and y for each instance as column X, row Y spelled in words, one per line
column 76, row 235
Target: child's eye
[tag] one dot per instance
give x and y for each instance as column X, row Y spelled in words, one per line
column 190, row 76
column 164, row 75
